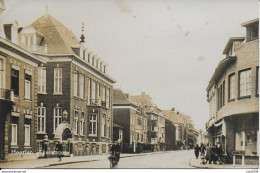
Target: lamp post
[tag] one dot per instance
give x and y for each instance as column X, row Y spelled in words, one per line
column 65, row 116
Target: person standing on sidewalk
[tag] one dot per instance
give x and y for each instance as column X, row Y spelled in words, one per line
column 59, row 150
column 203, row 150
column 197, row 151
column 208, row 154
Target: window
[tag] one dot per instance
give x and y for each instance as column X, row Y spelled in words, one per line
column 57, row 80
column 76, row 78
column 93, row 124
column 98, row 90
column 76, row 121
column 103, row 126
column 221, row 95
column 257, row 76
column 14, row 134
column 82, row 86
column 254, row 32
column 120, row 134
column 231, row 87
column 93, row 90
column 104, row 94
column 88, row 57
column 41, row 124
column 27, row 87
column 42, row 80
column 82, row 123
column 27, row 135
column 108, row 98
column 89, row 91
column 57, row 117
column 245, row 83
column 15, row 81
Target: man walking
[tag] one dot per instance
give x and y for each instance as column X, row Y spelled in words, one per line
column 59, row 150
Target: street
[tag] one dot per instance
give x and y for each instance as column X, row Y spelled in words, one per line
column 169, row 159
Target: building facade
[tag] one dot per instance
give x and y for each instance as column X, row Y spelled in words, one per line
column 233, row 96
column 156, row 121
column 133, row 120
column 74, row 102
column 18, row 94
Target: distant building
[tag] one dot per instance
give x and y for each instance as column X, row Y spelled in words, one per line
column 118, row 134
column 131, row 118
column 233, row 96
column 156, row 121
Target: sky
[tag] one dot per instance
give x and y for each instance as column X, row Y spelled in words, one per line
column 168, row 48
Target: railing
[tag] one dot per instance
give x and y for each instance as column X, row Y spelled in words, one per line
column 6, row 94
column 35, row 48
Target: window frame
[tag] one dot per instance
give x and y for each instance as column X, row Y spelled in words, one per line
column 229, row 87
column 239, row 80
column 27, row 139
column 57, row 117
column 58, row 77
column 27, row 87
column 76, row 83
column 76, row 122
column 82, row 123
column 16, row 134
column 42, row 118
column 16, row 87
column 82, row 86
column 91, row 124
column 41, row 80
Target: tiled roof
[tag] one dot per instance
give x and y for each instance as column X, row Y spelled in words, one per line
column 119, row 97
column 58, row 37
column 172, row 116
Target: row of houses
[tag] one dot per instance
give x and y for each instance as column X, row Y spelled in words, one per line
column 143, row 127
column 53, row 88
column 233, row 96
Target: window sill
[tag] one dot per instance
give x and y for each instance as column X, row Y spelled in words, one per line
column 244, row 97
column 27, row 146
column 41, row 133
column 14, row 146
column 28, row 100
column 16, row 97
column 57, row 94
column 42, row 93
column 92, row 135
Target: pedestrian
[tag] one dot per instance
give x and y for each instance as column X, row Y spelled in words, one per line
column 219, row 152
column 202, row 150
column 59, row 150
column 197, row 151
column 115, row 151
column 208, row 154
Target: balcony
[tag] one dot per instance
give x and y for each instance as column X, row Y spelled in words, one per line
column 6, row 94
column 95, row 102
column 35, row 48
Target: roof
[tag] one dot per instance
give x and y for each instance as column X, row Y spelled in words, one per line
column 117, row 125
column 57, row 36
column 147, row 102
column 250, row 22
column 172, row 116
column 230, row 41
column 119, row 97
column 221, row 68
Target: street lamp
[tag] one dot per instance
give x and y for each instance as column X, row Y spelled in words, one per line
column 65, row 116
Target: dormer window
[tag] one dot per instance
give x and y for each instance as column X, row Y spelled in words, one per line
column 254, row 32
column 93, row 60
column 251, row 29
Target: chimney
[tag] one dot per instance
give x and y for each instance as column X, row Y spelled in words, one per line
column 142, row 93
column 2, row 8
column 173, row 109
column 82, row 37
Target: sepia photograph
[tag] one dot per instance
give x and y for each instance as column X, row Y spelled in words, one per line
column 129, row 84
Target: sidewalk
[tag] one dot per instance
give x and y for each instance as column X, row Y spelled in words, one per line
column 42, row 162
column 197, row 164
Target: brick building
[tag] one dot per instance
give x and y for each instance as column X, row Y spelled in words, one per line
column 156, row 121
column 74, row 92
column 18, row 94
column 233, row 96
column 132, row 119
